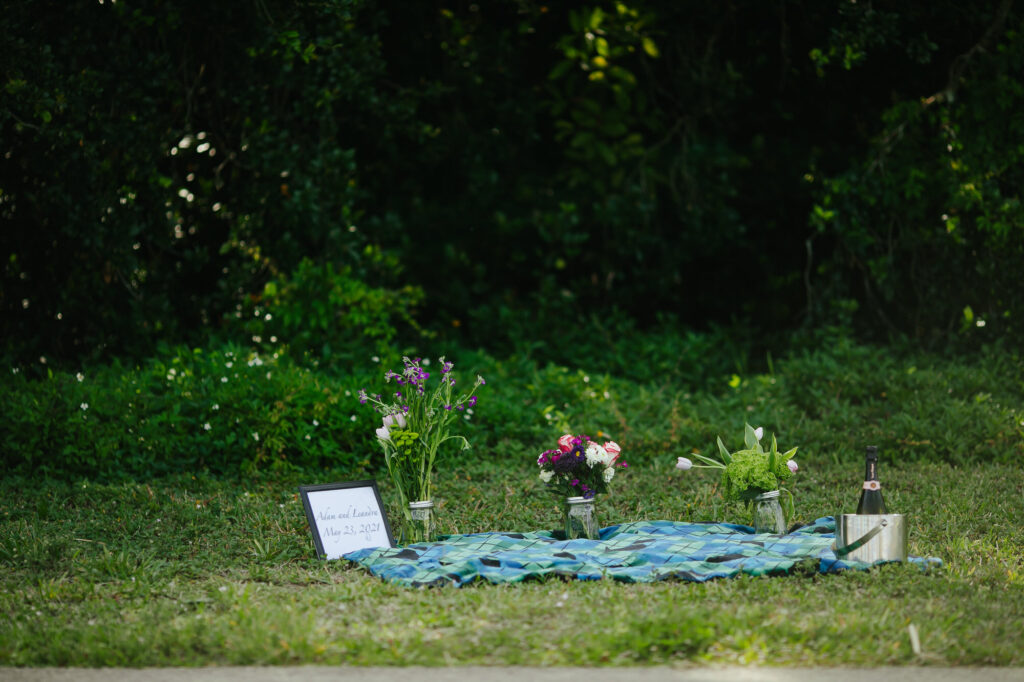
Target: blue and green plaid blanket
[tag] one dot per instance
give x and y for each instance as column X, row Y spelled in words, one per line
column 644, row 551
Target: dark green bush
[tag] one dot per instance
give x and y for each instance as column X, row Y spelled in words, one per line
column 225, row 411
column 329, row 316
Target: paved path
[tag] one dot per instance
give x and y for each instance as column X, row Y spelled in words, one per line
column 510, row 674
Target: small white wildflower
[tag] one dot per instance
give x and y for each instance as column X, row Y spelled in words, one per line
column 347, row 392
column 316, row 423
column 307, row 436
column 223, row 380
column 80, row 377
column 222, row 588
column 426, row 362
column 256, row 339
column 215, row 406
column 758, row 432
column 268, row 375
column 469, row 410
column 84, row 406
column 353, row 418
column 206, row 426
column 375, row 358
column 273, row 339
column 255, row 436
column 268, row 317
column 586, row 379
column 229, row 365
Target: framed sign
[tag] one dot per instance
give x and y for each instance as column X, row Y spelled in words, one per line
column 344, row 517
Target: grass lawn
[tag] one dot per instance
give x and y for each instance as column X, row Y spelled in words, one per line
column 204, row 572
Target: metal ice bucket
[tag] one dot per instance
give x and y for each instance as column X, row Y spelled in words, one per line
column 871, row 537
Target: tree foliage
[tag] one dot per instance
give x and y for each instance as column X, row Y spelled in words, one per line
column 780, row 162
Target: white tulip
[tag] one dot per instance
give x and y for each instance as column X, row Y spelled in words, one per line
column 683, row 463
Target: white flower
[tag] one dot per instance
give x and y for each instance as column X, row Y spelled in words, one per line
column 389, row 421
column 400, row 420
column 609, row 473
column 683, row 463
column 597, row 455
column 546, row 476
column 792, row 465
column 84, row 406
column 206, row 426
column 223, row 380
column 758, row 432
column 255, row 436
column 80, row 377
column 353, row 418
column 383, row 433
column 613, row 450
column 215, row 407
column 316, row 423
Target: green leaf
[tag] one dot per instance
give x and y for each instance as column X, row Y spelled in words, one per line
column 650, row 47
column 726, row 457
column 749, row 437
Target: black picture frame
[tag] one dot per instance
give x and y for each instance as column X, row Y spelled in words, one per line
column 319, row 523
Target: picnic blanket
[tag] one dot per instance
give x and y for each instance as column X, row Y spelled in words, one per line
column 643, row 551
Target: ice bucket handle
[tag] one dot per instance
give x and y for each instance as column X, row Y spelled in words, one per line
column 860, row 542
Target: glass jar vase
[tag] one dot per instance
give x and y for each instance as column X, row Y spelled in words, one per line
column 420, row 525
column 580, row 520
column 768, row 516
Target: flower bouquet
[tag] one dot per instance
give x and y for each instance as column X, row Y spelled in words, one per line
column 579, row 469
column 417, row 420
column 755, row 477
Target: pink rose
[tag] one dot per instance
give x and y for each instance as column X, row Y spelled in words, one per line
column 565, row 442
column 613, row 450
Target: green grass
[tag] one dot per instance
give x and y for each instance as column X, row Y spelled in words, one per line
column 187, row 571
column 171, row 569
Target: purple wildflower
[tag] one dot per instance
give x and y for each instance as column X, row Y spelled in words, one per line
column 568, row 461
column 447, row 407
column 472, row 400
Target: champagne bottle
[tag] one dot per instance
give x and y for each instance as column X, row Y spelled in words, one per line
column 871, row 501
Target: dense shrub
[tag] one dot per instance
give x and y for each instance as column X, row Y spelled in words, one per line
column 231, row 411
column 225, row 411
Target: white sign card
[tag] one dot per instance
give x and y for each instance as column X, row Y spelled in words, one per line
column 345, row 517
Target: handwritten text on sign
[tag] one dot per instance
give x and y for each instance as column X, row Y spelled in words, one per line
column 347, row 519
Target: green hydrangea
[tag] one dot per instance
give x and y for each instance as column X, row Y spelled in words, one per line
column 750, row 473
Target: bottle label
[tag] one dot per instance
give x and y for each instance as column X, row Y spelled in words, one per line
column 872, row 485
